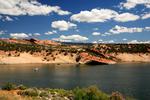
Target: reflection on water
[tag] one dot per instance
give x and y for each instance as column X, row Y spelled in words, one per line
column 130, row 79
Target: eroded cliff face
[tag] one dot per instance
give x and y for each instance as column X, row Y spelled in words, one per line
column 90, row 59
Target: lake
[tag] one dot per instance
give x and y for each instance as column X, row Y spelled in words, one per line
column 129, row 79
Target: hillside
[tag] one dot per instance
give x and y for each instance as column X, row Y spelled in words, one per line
column 13, row 51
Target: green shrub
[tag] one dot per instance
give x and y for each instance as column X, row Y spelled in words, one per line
column 79, row 94
column 22, row 87
column 9, row 86
column 90, row 93
column 44, row 94
column 30, row 92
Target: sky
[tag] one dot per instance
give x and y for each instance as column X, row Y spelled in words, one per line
column 88, row 21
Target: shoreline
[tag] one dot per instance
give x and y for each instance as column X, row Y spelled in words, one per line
column 27, row 58
column 134, row 62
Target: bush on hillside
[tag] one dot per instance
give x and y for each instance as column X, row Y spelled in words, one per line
column 9, row 86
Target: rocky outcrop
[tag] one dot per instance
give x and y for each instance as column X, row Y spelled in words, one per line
column 89, row 59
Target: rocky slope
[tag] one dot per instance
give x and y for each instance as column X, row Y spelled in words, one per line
column 13, row 51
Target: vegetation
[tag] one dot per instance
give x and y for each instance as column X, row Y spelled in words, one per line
column 50, row 52
column 105, row 48
column 9, row 86
column 89, row 93
column 122, row 48
column 72, row 48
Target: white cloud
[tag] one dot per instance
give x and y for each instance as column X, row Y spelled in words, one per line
column 28, row 7
column 106, row 33
column 71, row 38
column 50, row 32
column 77, row 30
column 2, row 32
column 133, row 41
column 94, row 42
column 137, row 42
column 124, row 39
column 133, row 3
column 5, row 18
column 147, row 28
column 120, row 29
column 104, row 41
column 61, row 12
column 146, row 16
column 125, row 17
column 95, row 29
column 100, row 40
column 95, row 15
column 30, row 34
column 108, row 41
column 96, row 33
column 102, row 15
column 36, row 34
column 63, row 25
column 19, row 35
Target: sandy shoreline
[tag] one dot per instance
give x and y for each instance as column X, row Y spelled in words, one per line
column 27, row 58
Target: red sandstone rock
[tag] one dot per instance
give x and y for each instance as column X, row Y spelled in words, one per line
column 86, row 57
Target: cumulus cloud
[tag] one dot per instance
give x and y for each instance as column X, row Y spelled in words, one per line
column 19, row 35
column 96, row 33
column 105, row 41
column 50, row 32
column 28, row 7
column 147, row 28
column 121, row 29
column 95, row 29
column 102, row 15
column 36, row 34
column 146, row 16
column 106, row 34
column 125, row 17
column 5, row 18
column 137, row 42
column 95, row 15
column 94, row 42
column 100, row 40
column 2, row 32
column 124, row 39
column 71, row 38
column 133, row 3
column 63, row 25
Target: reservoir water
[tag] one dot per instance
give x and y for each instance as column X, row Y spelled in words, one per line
column 130, row 79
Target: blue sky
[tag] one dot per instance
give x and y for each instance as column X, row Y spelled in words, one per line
column 76, row 20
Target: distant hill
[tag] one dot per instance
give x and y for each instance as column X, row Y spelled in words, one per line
column 30, row 41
